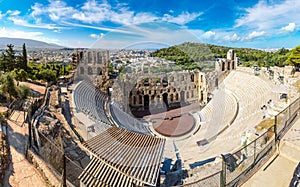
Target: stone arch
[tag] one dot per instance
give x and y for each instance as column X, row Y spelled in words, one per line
column 165, row 99
column 99, row 71
column 81, row 70
column 171, row 97
column 90, row 71
column 140, row 99
column 187, row 95
column 134, row 100
column 99, row 61
column 192, row 78
column 152, row 97
column 89, row 57
column 146, row 101
column 146, row 81
column 80, row 55
column 165, row 82
column 223, row 66
column 182, row 96
column 228, row 65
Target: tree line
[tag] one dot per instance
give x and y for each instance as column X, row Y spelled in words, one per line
column 189, row 53
column 24, row 70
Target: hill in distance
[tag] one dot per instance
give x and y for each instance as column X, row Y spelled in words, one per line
column 30, row 44
column 189, row 52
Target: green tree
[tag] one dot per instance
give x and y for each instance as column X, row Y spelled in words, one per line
column 294, row 58
column 10, row 57
column 24, row 58
column 8, row 86
column 47, row 75
column 23, row 92
column 20, row 75
column 3, row 62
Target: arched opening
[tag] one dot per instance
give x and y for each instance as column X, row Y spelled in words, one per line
column 165, row 82
column 99, row 58
column 171, row 97
column 232, row 65
column 80, row 55
column 99, row 71
column 140, row 99
column 228, row 66
column 134, row 100
column 192, row 78
column 81, row 70
column 146, row 102
column 165, row 99
column 89, row 57
column 90, row 71
column 182, row 98
column 152, row 97
column 223, row 66
column 146, row 82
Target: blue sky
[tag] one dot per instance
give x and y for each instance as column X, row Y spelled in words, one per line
column 117, row 23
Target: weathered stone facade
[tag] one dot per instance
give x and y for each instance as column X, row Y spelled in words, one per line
column 174, row 89
column 92, row 64
column 149, row 91
column 229, row 63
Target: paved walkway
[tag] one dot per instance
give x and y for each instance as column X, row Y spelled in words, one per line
column 280, row 171
column 21, row 173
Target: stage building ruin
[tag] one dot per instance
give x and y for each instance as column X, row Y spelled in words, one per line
column 140, row 91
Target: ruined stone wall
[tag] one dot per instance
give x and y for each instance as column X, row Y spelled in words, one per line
column 154, row 91
column 93, row 65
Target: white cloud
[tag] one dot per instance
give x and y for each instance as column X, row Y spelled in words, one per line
column 13, row 12
column 56, row 10
column 93, row 12
column 97, row 27
column 232, row 38
column 255, row 34
column 209, row 34
column 97, row 36
column 152, row 33
column 181, row 19
column 24, row 23
column 291, row 27
column 264, row 16
column 12, row 33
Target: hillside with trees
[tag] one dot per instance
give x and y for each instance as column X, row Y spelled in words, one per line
column 23, row 70
column 294, row 58
column 190, row 53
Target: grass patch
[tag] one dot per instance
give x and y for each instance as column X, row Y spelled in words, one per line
column 265, row 124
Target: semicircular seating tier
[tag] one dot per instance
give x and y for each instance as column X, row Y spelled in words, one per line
column 250, row 93
column 126, row 121
column 91, row 101
column 123, row 158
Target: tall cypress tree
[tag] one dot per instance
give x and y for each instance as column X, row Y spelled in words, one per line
column 24, row 58
column 10, row 57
